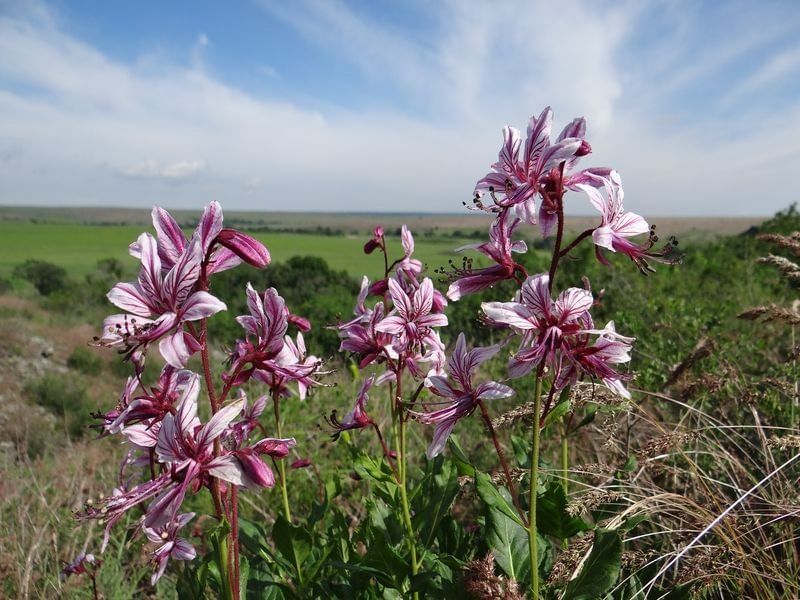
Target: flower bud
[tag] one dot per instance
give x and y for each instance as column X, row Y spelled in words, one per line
column 249, row 249
column 584, row 149
column 378, row 288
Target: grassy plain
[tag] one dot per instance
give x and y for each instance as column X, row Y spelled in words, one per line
column 77, row 248
column 76, row 238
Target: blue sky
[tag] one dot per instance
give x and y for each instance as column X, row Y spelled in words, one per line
column 392, row 106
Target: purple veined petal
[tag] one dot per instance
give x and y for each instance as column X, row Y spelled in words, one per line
column 228, row 469
column 548, row 219
column 183, row 550
column 519, row 368
column 144, row 435
column 150, row 272
column 186, row 409
column 604, row 237
column 222, row 259
column 423, row 297
column 616, row 386
column 508, row 313
column 526, row 210
column 169, row 448
column 245, row 247
column 458, row 360
column 480, row 355
column 558, row 153
column 161, row 561
column 508, row 159
column 210, row 225
column 575, row 129
column 394, row 325
column 201, row 305
column 175, row 349
column 597, row 196
column 184, row 274
column 432, row 320
column 402, row 302
column 255, row 304
column 130, row 297
column 166, row 506
column 519, row 247
column 492, row 390
column 630, row 224
column 171, row 240
column 440, row 434
column 407, row 240
column 219, row 422
column 496, row 182
column 248, row 323
column 535, row 293
column 572, row 303
column 537, row 141
column 440, row 386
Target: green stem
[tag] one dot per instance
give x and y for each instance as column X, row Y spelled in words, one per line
column 223, row 569
column 564, row 454
column 533, row 542
column 400, row 421
column 276, row 404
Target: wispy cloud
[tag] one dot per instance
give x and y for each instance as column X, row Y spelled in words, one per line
column 151, row 169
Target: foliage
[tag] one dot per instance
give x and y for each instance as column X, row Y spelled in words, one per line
column 46, row 277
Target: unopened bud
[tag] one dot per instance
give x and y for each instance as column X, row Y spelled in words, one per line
column 584, row 149
column 249, row 249
column 379, row 287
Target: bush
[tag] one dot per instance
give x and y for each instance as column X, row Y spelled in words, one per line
column 5, row 285
column 45, row 277
column 65, row 396
column 85, row 361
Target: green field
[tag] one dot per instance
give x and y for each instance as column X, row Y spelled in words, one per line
column 77, row 248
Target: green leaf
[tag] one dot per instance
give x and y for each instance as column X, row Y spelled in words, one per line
column 463, row 464
column 559, row 410
column 292, row 541
column 601, row 569
column 590, row 415
column 508, row 540
column 492, row 497
column 552, row 517
column 244, row 576
column 439, row 491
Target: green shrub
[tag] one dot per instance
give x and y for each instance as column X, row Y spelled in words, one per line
column 85, row 361
column 45, row 277
column 64, row 395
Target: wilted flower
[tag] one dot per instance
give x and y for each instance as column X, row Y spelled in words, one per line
column 356, row 418
column 83, row 563
column 467, row 280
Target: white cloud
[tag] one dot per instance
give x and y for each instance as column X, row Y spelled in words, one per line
column 177, row 171
column 77, row 118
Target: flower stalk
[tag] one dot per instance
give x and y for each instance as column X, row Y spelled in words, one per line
column 533, row 542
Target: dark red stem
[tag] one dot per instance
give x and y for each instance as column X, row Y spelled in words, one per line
column 575, row 242
column 503, row 462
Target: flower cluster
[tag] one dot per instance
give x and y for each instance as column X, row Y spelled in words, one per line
column 173, row 451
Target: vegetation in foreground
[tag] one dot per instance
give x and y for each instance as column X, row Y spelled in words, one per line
column 690, row 485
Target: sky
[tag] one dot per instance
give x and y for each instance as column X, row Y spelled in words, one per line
column 388, row 106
